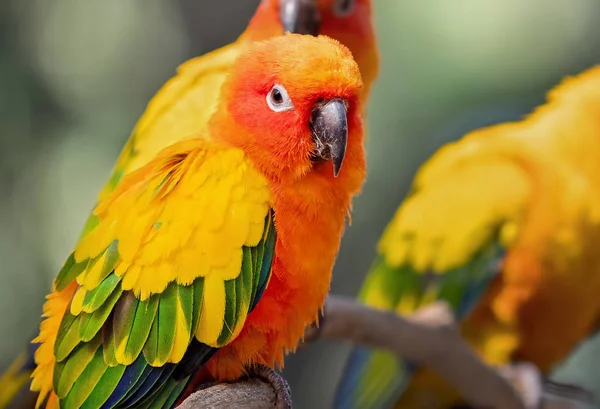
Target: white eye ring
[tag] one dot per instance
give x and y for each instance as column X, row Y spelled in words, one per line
column 342, row 8
column 279, row 100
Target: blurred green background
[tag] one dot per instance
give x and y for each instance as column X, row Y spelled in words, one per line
column 75, row 76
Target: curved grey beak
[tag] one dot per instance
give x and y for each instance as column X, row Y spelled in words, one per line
column 300, row 16
column 329, row 125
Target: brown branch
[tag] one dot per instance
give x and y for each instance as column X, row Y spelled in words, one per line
column 562, row 396
column 263, row 388
column 429, row 337
column 249, row 394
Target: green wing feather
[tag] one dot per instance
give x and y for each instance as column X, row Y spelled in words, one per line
column 445, row 242
column 90, row 323
column 69, row 272
column 159, row 344
column 97, row 297
column 376, row 378
column 85, row 383
column 115, row 349
column 87, row 372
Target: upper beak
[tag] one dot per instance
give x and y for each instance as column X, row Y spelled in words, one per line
column 329, row 125
column 300, row 16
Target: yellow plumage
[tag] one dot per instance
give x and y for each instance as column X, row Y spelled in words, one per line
column 54, row 310
column 225, row 201
column 211, row 223
column 180, row 109
column 533, row 183
column 531, row 188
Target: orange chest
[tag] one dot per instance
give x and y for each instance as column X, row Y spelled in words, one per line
column 299, row 282
column 301, row 273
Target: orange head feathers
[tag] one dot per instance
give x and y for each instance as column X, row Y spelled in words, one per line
column 291, row 103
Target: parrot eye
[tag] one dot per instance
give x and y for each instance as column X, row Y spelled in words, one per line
column 279, row 100
column 342, row 8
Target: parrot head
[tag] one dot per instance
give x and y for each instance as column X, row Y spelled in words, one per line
column 348, row 21
column 334, row 18
column 292, row 106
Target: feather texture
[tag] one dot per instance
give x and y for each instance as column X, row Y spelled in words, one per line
column 122, row 335
column 191, row 239
column 512, row 251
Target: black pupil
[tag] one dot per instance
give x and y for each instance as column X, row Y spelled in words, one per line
column 345, row 4
column 277, row 97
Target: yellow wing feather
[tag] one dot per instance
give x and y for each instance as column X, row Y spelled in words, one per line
column 152, row 234
column 532, row 185
column 174, row 220
column 54, row 309
column 477, row 195
column 181, row 108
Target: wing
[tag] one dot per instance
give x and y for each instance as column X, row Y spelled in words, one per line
column 181, row 108
column 446, row 242
column 179, row 255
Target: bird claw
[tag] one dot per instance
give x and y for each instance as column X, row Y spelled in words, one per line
column 283, row 395
column 538, row 392
column 526, row 378
column 204, row 385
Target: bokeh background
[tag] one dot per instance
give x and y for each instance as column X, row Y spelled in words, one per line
column 76, row 75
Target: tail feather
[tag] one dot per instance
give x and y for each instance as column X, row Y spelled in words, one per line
column 372, row 379
column 15, row 381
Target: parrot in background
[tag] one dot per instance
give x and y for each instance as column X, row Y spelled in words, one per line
column 504, row 226
column 183, row 106
column 207, row 256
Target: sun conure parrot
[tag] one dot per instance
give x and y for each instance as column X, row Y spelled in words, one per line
column 504, row 226
column 218, row 252
column 184, row 104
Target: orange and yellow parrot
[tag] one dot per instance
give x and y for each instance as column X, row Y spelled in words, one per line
column 504, row 226
column 184, row 104
column 218, row 252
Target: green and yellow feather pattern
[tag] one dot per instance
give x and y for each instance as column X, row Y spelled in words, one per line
column 151, row 295
column 428, row 254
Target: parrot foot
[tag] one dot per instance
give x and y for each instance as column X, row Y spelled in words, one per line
column 526, row 378
column 204, row 385
column 283, row 395
column 538, row 392
column 251, row 391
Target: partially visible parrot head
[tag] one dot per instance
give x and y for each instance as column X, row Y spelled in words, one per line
column 294, row 102
column 334, row 18
column 348, row 21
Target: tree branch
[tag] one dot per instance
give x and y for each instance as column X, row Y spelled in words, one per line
column 431, row 337
column 263, row 388
column 249, row 394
